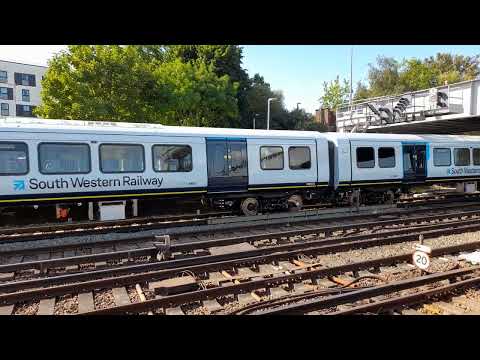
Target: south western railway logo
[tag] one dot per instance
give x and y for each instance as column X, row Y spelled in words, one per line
column 462, row 171
column 83, row 183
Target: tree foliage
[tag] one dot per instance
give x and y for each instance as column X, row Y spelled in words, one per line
column 390, row 77
column 188, row 85
column 135, row 84
column 335, row 93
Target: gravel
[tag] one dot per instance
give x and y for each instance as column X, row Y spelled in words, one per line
column 378, row 252
column 26, row 308
column 67, row 304
column 103, row 299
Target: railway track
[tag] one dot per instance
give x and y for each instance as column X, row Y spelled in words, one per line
column 250, row 268
column 71, row 245
column 51, row 231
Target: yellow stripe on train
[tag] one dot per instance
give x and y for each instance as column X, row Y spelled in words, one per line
column 103, row 196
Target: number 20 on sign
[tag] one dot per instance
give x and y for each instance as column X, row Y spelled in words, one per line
column 421, row 259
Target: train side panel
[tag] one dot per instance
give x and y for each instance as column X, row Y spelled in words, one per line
column 284, row 177
column 323, row 163
column 38, row 187
column 446, row 171
column 367, row 167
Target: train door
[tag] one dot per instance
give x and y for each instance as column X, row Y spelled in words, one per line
column 227, row 165
column 414, row 163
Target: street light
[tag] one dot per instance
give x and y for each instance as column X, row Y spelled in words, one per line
column 297, row 105
column 268, row 111
column 254, row 117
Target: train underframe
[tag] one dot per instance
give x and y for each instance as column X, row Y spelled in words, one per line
column 250, row 203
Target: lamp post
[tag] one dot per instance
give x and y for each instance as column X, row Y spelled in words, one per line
column 298, row 103
column 254, row 117
column 268, row 111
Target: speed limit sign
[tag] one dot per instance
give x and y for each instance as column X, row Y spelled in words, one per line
column 421, row 260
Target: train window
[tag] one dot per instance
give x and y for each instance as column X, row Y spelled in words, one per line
column 13, row 158
column 442, row 157
column 476, row 156
column 461, row 157
column 172, row 158
column 64, row 158
column 271, row 158
column 299, row 157
column 122, row 158
column 365, row 157
column 386, row 157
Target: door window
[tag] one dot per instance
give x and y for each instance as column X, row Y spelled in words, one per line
column 238, row 159
column 219, row 157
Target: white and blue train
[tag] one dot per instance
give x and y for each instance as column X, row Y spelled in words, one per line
column 65, row 162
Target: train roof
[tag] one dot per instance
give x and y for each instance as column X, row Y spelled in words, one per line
column 76, row 126
column 123, row 128
column 401, row 137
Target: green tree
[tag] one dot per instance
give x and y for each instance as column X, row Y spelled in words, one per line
column 384, row 78
column 334, row 94
column 454, row 68
column 135, row 84
column 362, row 92
column 416, row 75
column 390, row 77
column 196, row 95
column 226, row 60
column 256, row 100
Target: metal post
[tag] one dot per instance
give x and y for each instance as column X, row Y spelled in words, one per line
column 268, row 111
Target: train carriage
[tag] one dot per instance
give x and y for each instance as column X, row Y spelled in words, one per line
column 64, row 162
column 382, row 166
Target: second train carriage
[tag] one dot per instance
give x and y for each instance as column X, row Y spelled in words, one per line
column 382, row 166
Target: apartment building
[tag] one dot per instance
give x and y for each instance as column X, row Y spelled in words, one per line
column 20, row 86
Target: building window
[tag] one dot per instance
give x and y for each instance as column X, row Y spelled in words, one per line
column 5, row 111
column 271, row 158
column 63, row 158
column 299, row 157
column 172, row 158
column 24, row 79
column 116, row 158
column 6, row 93
column 365, row 157
column 461, row 157
column 386, row 157
column 476, row 156
column 25, row 95
column 25, row 110
column 3, row 76
column 442, row 157
column 13, row 158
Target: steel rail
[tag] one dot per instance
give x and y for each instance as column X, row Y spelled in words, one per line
column 201, row 222
column 200, row 295
column 42, row 265
column 409, row 299
column 341, row 299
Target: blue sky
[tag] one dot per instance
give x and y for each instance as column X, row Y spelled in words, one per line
column 298, row 70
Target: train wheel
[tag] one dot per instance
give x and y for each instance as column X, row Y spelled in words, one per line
column 249, row 206
column 295, row 203
column 389, row 197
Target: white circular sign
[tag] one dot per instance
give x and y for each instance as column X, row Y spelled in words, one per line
column 421, row 260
